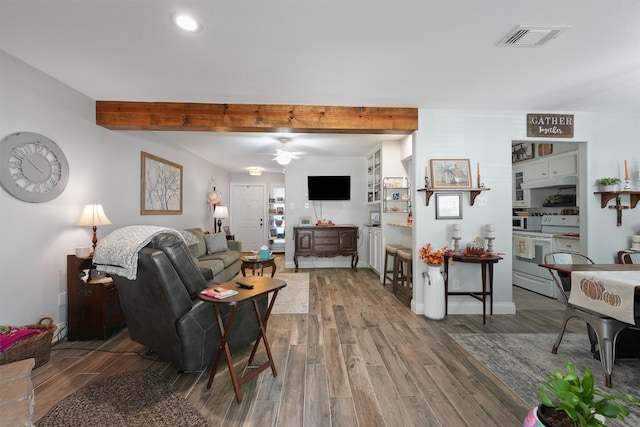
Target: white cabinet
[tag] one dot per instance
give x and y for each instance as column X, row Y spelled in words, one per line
column 521, row 198
column 567, row 244
column 538, row 170
column 374, row 177
column 554, row 166
column 374, row 235
column 563, row 165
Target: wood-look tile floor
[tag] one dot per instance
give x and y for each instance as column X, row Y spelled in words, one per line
column 359, row 358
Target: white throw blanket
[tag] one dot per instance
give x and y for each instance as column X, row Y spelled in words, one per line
column 524, row 247
column 117, row 253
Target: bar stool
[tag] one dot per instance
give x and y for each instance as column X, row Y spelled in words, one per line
column 403, row 284
column 390, row 251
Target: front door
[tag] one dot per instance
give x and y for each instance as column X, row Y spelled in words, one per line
column 248, row 216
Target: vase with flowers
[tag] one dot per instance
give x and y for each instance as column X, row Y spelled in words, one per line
column 433, row 281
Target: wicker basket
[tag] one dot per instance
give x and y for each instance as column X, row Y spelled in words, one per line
column 37, row 346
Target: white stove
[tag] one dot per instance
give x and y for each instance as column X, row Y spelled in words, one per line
column 527, row 273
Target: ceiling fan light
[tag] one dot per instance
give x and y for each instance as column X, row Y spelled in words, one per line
column 283, row 160
column 185, row 22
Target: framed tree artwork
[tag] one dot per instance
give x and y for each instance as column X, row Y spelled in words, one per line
column 160, row 186
column 450, row 173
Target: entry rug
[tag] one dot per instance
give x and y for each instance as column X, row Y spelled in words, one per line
column 294, row 298
column 522, row 361
column 137, row 398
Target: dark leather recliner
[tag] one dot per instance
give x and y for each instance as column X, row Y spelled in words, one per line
column 164, row 313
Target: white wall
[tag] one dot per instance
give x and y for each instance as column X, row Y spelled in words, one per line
column 485, row 137
column 104, row 168
column 352, row 212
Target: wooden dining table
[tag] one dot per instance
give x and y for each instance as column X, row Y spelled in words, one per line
column 609, row 289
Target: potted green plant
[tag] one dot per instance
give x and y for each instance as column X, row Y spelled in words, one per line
column 568, row 401
column 607, row 184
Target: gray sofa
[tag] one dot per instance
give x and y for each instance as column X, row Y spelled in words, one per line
column 218, row 261
column 164, row 313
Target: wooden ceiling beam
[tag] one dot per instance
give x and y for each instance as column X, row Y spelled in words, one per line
column 178, row 116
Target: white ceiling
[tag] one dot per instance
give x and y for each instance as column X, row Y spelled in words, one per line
column 389, row 53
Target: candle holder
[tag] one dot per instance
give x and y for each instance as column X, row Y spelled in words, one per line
column 490, row 244
column 456, row 244
column 627, row 185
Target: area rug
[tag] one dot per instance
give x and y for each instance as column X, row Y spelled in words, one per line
column 294, row 298
column 137, row 398
column 522, row 361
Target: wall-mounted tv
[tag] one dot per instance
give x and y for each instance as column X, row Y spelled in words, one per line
column 329, row 187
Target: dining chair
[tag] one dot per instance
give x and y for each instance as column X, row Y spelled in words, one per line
column 606, row 329
column 626, row 257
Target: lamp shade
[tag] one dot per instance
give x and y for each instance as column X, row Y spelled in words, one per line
column 93, row 215
column 221, row 212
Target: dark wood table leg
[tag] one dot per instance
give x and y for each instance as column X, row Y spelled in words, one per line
column 273, row 268
column 295, row 261
column 242, row 267
column 224, row 348
column 491, row 287
column 446, row 286
column 354, row 261
column 484, row 292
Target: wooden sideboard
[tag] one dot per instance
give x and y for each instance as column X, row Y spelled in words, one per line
column 326, row 242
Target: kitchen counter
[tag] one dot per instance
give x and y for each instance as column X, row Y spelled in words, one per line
column 400, row 224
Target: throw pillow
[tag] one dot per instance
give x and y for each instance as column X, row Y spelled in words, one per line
column 216, row 243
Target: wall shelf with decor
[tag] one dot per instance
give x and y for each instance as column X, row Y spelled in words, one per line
column 397, row 195
column 606, row 196
column 473, row 193
column 277, row 220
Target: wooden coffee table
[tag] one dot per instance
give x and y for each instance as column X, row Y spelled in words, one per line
column 255, row 263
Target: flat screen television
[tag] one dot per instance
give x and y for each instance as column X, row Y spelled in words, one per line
column 329, row 187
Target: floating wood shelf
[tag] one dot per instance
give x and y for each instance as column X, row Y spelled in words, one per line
column 606, row 196
column 473, row 193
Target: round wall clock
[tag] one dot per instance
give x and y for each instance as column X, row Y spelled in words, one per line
column 32, row 167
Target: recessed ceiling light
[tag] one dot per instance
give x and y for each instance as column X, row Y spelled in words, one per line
column 185, row 22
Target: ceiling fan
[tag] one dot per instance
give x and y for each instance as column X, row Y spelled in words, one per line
column 284, row 156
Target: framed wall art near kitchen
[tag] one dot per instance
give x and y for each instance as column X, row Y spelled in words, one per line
column 522, row 151
column 448, row 205
column 160, row 186
column 450, row 173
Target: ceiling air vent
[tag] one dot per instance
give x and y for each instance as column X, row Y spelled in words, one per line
column 527, row 36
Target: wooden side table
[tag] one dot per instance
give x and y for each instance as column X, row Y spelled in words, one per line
column 262, row 286
column 93, row 308
column 486, row 265
column 257, row 263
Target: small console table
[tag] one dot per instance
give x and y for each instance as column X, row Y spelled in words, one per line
column 487, row 266
column 326, row 241
column 262, row 286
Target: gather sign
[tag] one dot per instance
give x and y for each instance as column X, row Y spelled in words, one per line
column 550, row 125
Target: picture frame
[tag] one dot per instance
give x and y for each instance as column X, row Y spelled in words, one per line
column 450, row 173
column 448, row 205
column 374, row 217
column 521, row 150
column 226, row 229
column 305, row 220
column 160, row 186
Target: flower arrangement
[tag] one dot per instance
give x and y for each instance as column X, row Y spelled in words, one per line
column 429, row 256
